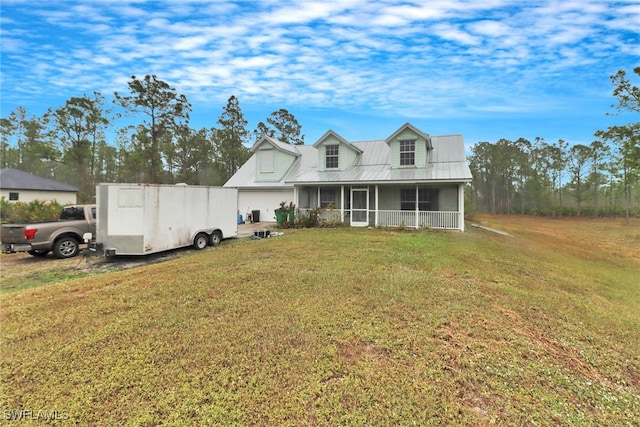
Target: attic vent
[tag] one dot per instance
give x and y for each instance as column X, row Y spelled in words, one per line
column 266, row 161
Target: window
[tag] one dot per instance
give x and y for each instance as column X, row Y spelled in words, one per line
column 408, row 199
column 328, row 196
column 14, row 196
column 266, row 161
column 331, row 156
column 407, row 153
column 427, row 199
column 71, row 213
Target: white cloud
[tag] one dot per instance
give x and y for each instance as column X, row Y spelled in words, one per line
column 419, row 58
column 455, row 33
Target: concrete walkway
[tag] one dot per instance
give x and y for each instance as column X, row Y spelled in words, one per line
column 493, row 230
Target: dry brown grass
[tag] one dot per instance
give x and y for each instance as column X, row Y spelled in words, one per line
column 343, row 327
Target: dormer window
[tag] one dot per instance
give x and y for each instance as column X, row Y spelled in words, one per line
column 331, row 156
column 408, row 152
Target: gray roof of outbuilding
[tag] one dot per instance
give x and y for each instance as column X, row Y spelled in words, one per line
column 14, row 179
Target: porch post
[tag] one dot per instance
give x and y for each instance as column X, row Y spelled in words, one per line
column 295, row 196
column 318, row 199
column 375, row 222
column 417, row 209
column 461, row 206
column 342, row 203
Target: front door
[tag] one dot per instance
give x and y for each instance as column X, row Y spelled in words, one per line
column 359, row 207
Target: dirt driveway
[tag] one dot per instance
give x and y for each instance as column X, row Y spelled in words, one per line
column 19, row 268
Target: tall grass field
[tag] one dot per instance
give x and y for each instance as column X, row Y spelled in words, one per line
column 344, row 326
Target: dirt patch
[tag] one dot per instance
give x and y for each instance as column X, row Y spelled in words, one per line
column 23, row 270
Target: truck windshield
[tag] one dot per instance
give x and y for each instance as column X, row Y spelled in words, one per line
column 71, row 212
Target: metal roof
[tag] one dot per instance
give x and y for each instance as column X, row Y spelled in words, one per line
column 279, row 145
column 14, row 179
column 447, row 163
column 338, row 137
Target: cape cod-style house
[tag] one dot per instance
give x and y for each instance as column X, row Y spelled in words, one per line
column 410, row 179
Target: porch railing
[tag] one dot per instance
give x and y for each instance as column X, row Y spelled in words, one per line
column 433, row 219
column 449, row 220
column 325, row 214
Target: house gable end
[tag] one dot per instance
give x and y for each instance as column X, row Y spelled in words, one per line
column 409, row 148
column 331, row 158
column 273, row 159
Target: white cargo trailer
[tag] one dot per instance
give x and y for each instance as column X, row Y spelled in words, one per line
column 141, row 219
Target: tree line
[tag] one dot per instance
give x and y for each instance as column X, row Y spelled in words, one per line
column 69, row 143
column 537, row 177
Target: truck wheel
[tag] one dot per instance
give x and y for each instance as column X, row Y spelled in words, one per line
column 216, row 238
column 66, row 247
column 41, row 253
column 200, row 242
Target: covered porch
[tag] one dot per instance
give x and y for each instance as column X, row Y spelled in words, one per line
column 437, row 205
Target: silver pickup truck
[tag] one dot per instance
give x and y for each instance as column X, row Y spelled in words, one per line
column 63, row 236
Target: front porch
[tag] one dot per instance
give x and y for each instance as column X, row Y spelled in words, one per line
column 411, row 206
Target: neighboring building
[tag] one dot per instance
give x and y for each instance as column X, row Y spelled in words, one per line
column 410, row 179
column 18, row 186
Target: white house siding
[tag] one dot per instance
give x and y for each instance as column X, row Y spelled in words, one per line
column 266, row 201
column 27, row 196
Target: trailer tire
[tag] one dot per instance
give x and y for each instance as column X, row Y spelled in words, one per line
column 216, row 238
column 40, row 253
column 201, row 241
column 66, row 247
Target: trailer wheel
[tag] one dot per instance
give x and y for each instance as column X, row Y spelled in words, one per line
column 216, row 238
column 201, row 241
column 40, row 253
column 66, row 247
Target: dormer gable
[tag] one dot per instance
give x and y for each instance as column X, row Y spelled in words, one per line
column 274, row 158
column 409, row 147
column 335, row 152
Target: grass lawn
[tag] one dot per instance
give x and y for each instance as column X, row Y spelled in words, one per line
column 342, row 327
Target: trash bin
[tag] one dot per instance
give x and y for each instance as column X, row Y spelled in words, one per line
column 255, row 216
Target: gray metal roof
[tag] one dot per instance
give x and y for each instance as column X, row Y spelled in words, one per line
column 338, row 137
column 14, row 179
column 447, row 163
column 279, row 145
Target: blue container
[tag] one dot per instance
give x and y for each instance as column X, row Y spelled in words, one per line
column 240, row 221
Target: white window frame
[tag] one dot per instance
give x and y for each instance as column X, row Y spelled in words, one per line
column 407, row 152
column 334, row 157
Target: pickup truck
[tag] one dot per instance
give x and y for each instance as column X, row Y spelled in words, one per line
column 63, row 236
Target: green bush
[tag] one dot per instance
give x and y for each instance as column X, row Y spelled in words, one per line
column 310, row 219
column 38, row 210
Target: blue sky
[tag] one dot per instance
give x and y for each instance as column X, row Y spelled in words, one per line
column 487, row 69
